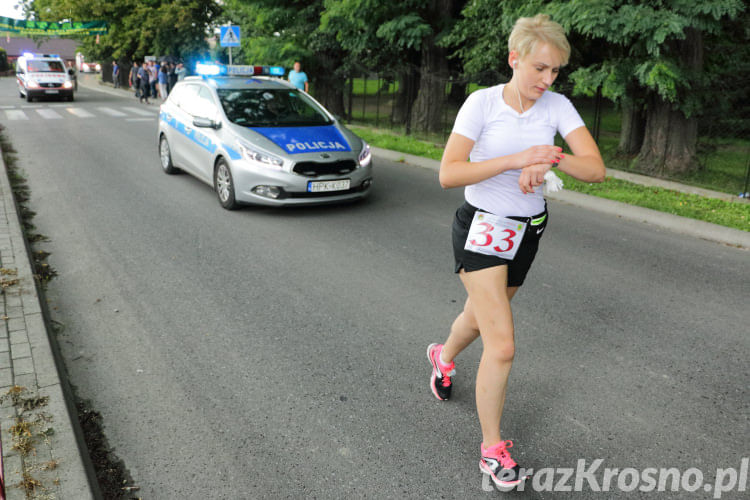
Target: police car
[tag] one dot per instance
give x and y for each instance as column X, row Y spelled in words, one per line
column 43, row 75
column 257, row 139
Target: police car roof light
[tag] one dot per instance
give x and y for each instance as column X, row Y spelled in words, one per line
column 207, row 69
column 28, row 55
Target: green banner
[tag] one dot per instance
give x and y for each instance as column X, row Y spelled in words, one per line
column 28, row 28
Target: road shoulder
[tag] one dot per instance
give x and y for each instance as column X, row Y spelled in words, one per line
column 41, row 411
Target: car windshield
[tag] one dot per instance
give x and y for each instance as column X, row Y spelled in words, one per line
column 271, row 108
column 46, row 67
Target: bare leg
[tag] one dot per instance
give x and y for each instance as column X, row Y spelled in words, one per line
column 490, row 305
column 465, row 330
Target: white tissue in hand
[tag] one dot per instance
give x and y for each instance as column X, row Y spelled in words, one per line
column 554, row 183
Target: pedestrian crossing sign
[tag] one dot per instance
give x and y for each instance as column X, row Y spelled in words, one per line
column 229, row 36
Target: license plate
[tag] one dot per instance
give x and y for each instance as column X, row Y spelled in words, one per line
column 326, row 186
column 51, row 91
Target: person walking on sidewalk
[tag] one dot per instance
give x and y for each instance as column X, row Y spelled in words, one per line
column 180, row 71
column 163, row 81
column 116, row 74
column 134, row 79
column 143, row 74
column 501, row 146
column 153, row 78
column 172, row 80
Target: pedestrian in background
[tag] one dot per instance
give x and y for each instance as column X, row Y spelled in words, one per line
column 116, row 74
column 163, row 80
column 73, row 75
column 153, row 78
column 180, row 71
column 134, row 80
column 144, row 75
column 501, row 147
column 298, row 78
column 172, row 78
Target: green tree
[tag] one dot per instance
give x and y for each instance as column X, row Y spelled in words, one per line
column 280, row 32
column 652, row 60
column 137, row 27
column 403, row 33
column 658, row 70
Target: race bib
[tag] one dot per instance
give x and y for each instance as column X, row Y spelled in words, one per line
column 495, row 235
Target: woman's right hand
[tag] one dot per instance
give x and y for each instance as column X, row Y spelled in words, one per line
column 538, row 154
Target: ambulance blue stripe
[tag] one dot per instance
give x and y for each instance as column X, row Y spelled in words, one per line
column 297, row 140
column 194, row 135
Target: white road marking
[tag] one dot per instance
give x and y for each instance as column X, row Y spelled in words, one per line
column 111, row 112
column 142, row 112
column 15, row 114
column 48, row 114
column 79, row 112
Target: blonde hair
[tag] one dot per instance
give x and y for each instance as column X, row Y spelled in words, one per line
column 529, row 31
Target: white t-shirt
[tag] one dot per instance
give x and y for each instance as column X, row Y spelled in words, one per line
column 499, row 130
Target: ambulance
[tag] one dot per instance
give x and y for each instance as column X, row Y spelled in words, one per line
column 43, row 75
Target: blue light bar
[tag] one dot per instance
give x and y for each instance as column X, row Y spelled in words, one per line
column 276, row 71
column 207, row 69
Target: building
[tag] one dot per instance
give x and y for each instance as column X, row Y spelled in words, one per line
column 63, row 47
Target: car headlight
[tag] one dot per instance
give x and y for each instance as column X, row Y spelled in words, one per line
column 365, row 157
column 32, row 84
column 67, row 85
column 265, row 159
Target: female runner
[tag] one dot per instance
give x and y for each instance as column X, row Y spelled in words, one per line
column 507, row 134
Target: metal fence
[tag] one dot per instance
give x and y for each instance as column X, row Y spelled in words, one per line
column 374, row 99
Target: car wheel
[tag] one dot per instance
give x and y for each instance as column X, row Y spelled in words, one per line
column 28, row 97
column 224, row 185
column 165, row 155
column 71, row 98
column 20, row 94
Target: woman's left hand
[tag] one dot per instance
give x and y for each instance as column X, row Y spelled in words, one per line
column 532, row 176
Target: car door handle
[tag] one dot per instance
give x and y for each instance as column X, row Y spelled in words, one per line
column 188, row 129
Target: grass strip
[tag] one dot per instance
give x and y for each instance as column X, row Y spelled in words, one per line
column 725, row 213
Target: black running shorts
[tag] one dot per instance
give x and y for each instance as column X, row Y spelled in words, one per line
column 472, row 261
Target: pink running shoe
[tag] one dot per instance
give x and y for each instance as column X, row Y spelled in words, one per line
column 440, row 381
column 503, row 470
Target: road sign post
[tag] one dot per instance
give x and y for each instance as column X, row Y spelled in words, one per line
column 229, row 36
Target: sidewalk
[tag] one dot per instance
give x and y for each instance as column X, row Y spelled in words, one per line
column 684, row 225
column 41, row 451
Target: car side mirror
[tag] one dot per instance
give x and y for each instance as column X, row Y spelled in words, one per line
column 206, row 123
column 71, row 72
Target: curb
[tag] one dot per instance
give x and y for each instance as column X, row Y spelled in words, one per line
column 32, row 363
column 676, row 223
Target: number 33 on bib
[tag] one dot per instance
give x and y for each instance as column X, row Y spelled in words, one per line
column 495, row 235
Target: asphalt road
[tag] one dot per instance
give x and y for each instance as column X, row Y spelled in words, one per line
column 270, row 353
